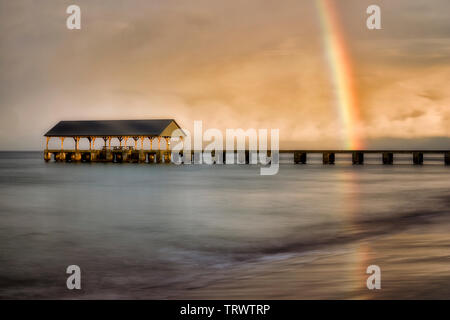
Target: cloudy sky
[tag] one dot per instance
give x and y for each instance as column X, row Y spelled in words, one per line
column 232, row 64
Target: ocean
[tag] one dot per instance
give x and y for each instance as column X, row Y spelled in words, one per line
column 145, row 231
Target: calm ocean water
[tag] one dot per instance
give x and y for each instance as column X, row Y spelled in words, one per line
column 166, row 231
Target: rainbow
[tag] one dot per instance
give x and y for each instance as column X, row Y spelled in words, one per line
column 341, row 69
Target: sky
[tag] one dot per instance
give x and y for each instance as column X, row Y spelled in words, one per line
column 232, row 64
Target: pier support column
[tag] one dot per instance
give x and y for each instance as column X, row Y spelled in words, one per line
column 247, row 157
column 328, row 157
column 358, row 158
column 418, row 158
column 47, row 156
column 447, row 158
column 158, row 156
column 300, row 157
column 388, row 158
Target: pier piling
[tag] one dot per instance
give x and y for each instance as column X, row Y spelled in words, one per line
column 300, row 157
column 388, row 158
column 328, row 157
column 418, row 158
column 447, row 158
column 358, row 158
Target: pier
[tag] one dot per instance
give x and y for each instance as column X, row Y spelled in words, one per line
column 157, row 131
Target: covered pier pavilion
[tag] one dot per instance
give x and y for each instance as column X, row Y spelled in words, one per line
column 107, row 130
